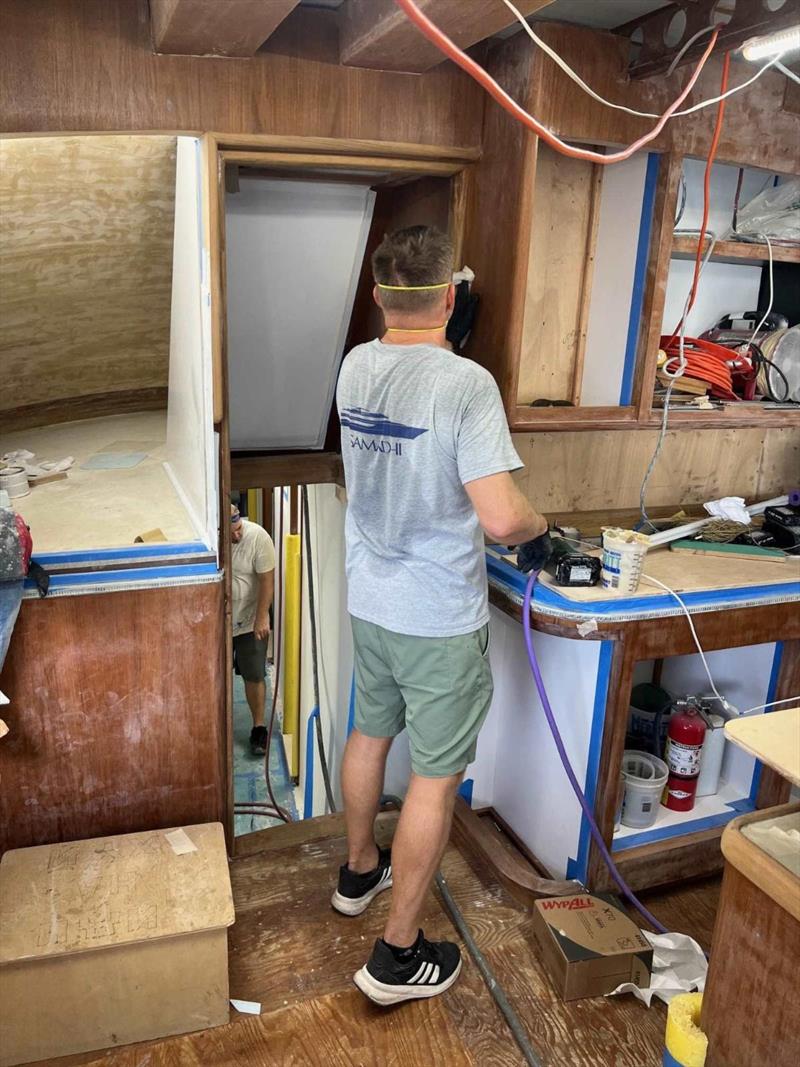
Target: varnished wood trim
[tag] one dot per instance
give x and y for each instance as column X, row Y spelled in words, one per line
column 516, row 875
column 301, row 468
column 304, row 160
column 686, row 246
column 346, row 145
column 525, row 419
column 773, row 788
column 93, row 406
column 658, row 263
column 675, row 860
column 774, row 879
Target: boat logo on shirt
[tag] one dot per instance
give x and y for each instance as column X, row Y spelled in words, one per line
column 375, row 424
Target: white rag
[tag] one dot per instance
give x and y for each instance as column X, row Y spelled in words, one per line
column 679, row 966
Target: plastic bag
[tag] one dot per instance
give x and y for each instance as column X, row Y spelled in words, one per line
column 775, row 212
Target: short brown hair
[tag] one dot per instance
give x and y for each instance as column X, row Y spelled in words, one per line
column 417, row 255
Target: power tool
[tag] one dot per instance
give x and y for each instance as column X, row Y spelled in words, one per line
column 783, row 523
column 570, row 567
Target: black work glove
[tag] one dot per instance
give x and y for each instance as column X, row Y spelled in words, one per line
column 532, row 555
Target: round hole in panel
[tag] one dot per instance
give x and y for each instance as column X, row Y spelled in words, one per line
column 676, row 27
column 773, row 5
column 722, row 12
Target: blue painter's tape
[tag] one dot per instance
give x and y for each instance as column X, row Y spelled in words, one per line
column 308, row 792
column 771, row 689
column 465, row 790
column 132, row 552
column 662, row 833
column 670, row 1061
column 579, row 868
column 132, row 577
column 545, row 596
column 639, row 275
column 351, row 712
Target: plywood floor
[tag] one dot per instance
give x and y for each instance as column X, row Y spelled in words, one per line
column 101, row 508
column 294, row 955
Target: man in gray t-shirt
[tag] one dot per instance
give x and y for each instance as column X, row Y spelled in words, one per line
column 427, row 455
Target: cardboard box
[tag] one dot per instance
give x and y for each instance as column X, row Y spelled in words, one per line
column 113, row 940
column 590, row 945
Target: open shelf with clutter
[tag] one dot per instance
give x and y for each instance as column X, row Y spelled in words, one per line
column 739, row 315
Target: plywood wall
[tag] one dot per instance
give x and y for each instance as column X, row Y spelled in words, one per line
column 86, row 233
column 604, row 469
column 565, row 201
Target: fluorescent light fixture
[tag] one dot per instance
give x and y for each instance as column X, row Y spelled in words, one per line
column 773, row 44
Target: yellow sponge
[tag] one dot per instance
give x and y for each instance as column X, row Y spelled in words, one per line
column 685, row 1041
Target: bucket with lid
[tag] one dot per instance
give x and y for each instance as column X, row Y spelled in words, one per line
column 645, row 777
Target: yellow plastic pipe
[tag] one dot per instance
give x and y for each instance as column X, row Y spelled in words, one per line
column 252, row 505
column 291, row 652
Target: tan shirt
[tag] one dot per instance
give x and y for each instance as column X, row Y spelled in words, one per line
column 253, row 556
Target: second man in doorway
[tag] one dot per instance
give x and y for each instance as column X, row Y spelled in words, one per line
column 253, row 569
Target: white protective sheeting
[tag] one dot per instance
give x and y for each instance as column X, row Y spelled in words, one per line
column 191, row 449
column 294, row 253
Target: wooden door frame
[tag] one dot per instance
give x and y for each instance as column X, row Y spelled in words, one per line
column 397, row 160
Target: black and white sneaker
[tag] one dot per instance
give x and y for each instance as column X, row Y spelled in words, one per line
column 355, row 892
column 430, row 969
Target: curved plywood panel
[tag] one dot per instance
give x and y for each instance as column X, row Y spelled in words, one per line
column 86, row 234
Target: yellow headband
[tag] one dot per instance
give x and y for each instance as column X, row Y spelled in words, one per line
column 412, row 288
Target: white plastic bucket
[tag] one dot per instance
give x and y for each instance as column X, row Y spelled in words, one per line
column 645, row 777
column 15, row 481
column 623, row 559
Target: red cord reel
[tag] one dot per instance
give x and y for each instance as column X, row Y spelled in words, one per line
column 712, row 363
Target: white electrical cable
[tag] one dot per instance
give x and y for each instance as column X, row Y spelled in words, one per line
column 688, row 45
column 686, row 612
column 765, row 316
column 772, row 704
column 673, row 375
column 621, row 107
column 689, row 619
column 789, row 73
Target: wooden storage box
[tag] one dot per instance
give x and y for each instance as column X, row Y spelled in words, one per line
column 113, row 940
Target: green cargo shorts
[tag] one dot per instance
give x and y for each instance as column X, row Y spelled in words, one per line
column 438, row 688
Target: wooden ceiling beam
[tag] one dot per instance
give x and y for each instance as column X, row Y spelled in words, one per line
column 215, row 27
column 378, row 34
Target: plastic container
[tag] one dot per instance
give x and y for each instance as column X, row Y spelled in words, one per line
column 623, row 559
column 711, row 757
column 645, row 778
column 648, row 723
column 15, row 481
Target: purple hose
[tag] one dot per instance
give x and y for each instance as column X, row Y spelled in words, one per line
column 573, row 781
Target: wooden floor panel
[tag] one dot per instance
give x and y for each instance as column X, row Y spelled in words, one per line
column 293, row 954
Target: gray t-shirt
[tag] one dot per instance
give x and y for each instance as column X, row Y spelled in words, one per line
column 418, row 423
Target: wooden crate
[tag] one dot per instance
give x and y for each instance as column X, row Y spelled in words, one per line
column 112, row 940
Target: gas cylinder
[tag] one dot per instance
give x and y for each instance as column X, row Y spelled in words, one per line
column 685, row 737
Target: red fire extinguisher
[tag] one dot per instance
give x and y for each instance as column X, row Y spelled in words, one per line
column 685, row 737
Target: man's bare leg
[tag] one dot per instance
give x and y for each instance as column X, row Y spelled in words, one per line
column 419, row 841
column 256, row 693
column 363, row 768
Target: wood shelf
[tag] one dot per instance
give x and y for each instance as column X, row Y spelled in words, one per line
column 736, row 251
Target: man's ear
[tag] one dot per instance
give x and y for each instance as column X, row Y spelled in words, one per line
column 450, row 302
column 376, row 296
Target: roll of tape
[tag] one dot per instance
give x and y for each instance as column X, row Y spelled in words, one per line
column 686, row 1044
